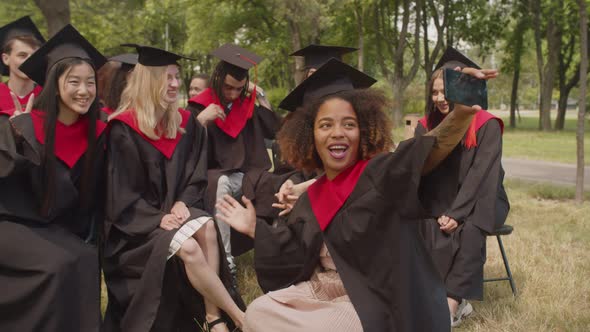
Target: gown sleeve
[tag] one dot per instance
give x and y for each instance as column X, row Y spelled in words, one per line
column 194, row 190
column 479, row 188
column 269, row 120
column 15, row 152
column 125, row 203
column 283, row 249
column 397, row 175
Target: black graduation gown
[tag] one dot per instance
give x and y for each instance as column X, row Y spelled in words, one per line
column 49, row 276
column 246, row 153
column 146, row 292
column 468, row 187
column 374, row 242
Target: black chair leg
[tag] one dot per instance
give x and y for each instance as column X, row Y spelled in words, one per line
column 508, row 272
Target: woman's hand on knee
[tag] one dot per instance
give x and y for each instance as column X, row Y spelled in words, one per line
column 170, row 222
column 242, row 219
column 180, row 211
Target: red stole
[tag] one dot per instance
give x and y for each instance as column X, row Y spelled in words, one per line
column 241, row 110
column 7, row 106
column 107, row 110
column 165, row 145
column 71, row 142
column 480, row 118
column 327, row 197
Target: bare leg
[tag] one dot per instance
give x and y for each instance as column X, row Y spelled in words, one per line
column 453, row 306
column 206, row 281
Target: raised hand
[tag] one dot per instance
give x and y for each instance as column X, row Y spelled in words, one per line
column 210, row 113
column 18, row 109
column 242, row 219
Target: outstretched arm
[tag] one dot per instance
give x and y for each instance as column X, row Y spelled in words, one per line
column 452, row 129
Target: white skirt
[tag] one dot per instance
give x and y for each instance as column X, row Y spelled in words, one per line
column 184, row 233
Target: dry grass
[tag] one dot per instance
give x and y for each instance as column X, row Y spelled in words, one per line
column 549, row 254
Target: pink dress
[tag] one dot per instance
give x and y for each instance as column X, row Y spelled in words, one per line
column 320, row 304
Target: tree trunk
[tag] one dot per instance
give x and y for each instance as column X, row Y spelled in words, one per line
column 561, row 108
column 56, row 13
column 582, row 100
column 553, row 43
column 360, row 22
column 398, row 102
column 299, row 70
column 518, row 48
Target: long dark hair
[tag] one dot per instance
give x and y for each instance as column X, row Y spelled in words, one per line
column 218, row 79
column 114, row 88
column 433, row 115
column 48, row 103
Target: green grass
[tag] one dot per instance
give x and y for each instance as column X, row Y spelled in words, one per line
column 527, row 142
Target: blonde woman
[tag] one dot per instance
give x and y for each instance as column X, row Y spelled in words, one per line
column 163, row 261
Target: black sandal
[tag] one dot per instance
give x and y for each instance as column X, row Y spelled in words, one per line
column 209, row 325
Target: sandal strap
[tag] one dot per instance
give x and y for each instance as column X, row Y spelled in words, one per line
column 215, row 322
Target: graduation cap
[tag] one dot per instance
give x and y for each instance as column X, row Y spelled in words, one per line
column 155, row 57
column 24, row 26
column 128, row 59
column 334, row 76
column 317, row 55
column 240, row 58
column 452, row 58
column 67, row 43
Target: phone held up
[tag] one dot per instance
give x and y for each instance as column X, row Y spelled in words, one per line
column 465, row 89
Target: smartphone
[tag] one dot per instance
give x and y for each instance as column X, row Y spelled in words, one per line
column 465, row 89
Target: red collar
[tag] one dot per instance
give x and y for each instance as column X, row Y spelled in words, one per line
column 6, row 104
column 165, row 145
column 478, row 121
column 235, row 121
column 327, row 197
column 71, row 141
column 107, row 110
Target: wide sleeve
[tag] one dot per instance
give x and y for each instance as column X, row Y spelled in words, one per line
column 397, row 175
column 479, row 188
column 270, row 121
column 193, row 190
column 194, row 108
column 126, row 208
column 16, row 154
column 284, row 250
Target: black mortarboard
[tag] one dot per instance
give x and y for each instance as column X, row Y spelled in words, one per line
column 67, row 43
column 24, row 26
column 126, row 59
column 334, row 76
column 240, row 58
column 155, row 57
column 452, row 58
column 316, row 55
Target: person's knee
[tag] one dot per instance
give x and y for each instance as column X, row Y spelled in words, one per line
column 191, row 252
column 223, row 186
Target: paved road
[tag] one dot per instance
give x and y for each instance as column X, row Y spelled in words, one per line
column 543, row 171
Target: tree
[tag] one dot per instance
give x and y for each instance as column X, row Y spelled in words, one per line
column 551, row 30
column 56, row 12
column 582, row 99
column 568, row 63
column 394, row 41
column 515, row 44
